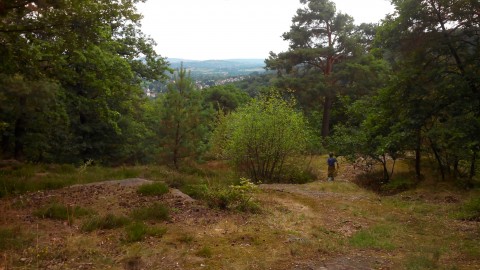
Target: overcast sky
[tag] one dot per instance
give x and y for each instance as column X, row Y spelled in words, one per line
column 228, row 29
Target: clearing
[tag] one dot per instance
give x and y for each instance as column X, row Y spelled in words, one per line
column 319, row 225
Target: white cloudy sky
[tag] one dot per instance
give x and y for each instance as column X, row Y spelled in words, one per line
column 227, row 29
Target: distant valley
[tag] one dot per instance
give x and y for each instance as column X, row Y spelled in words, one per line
column 219, row 68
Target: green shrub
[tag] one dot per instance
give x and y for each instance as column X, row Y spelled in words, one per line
column 263, row 136
column 470, row 210
column 195, row 191
column 156, row 212
column 234, row 197
column 61, row 212
column 154, row 189
column 107, row 222
column 399, row 184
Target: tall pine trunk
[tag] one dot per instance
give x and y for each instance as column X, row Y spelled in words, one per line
column 327, row 110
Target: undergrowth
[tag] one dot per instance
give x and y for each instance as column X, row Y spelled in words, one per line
column 234, row 197
column 154, row 189
column 470, row 210
column 13, row 238
column 106, row 222
column 59, row 211
column 137, row 231
column 155, row 212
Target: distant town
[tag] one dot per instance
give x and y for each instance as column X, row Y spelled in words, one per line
column 211, row 72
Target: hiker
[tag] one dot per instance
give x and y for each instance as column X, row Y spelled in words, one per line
column 331, row 161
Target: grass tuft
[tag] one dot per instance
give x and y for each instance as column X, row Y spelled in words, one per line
column 137, row 232
column 154, row 189
column 107, row 222
column 205, row 252
column 470, row 210
column 61, row 212
column 377, row 237
column 155, row 212
column 186, row 239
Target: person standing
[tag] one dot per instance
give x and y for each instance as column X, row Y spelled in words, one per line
column 332, row 167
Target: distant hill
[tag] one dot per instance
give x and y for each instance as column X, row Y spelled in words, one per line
column 219, row 68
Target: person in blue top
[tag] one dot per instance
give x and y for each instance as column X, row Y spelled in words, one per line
column 332, row 161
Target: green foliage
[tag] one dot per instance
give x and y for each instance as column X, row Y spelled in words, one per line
column 183, row 125
column 106, row 222
column 372, row 134
column 61, row 212
column 320, row 68
column 154, row 189
column 135, row 232
column 378, row 237
column 399, row 183
column 470, row 210
column 435, row 90
column 263, row 137
column 72, row 92
column 155, row 212
column 234, row 197
column 224, row 97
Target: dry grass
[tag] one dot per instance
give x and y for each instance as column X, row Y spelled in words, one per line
column 309, row 226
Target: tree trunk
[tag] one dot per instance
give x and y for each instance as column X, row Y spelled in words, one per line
column 472, row 165
column 455, row 168
column 327, row 109
column 439, row 160
column 177, row 145
column 418, row 156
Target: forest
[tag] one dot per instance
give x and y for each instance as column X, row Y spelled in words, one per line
column 397, row 101
column 72, row 77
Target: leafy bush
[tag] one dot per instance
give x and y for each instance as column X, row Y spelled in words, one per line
column 107, row 222
column 234, row 197
column 156, row 212
column 154, row 189
column 261, row 137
